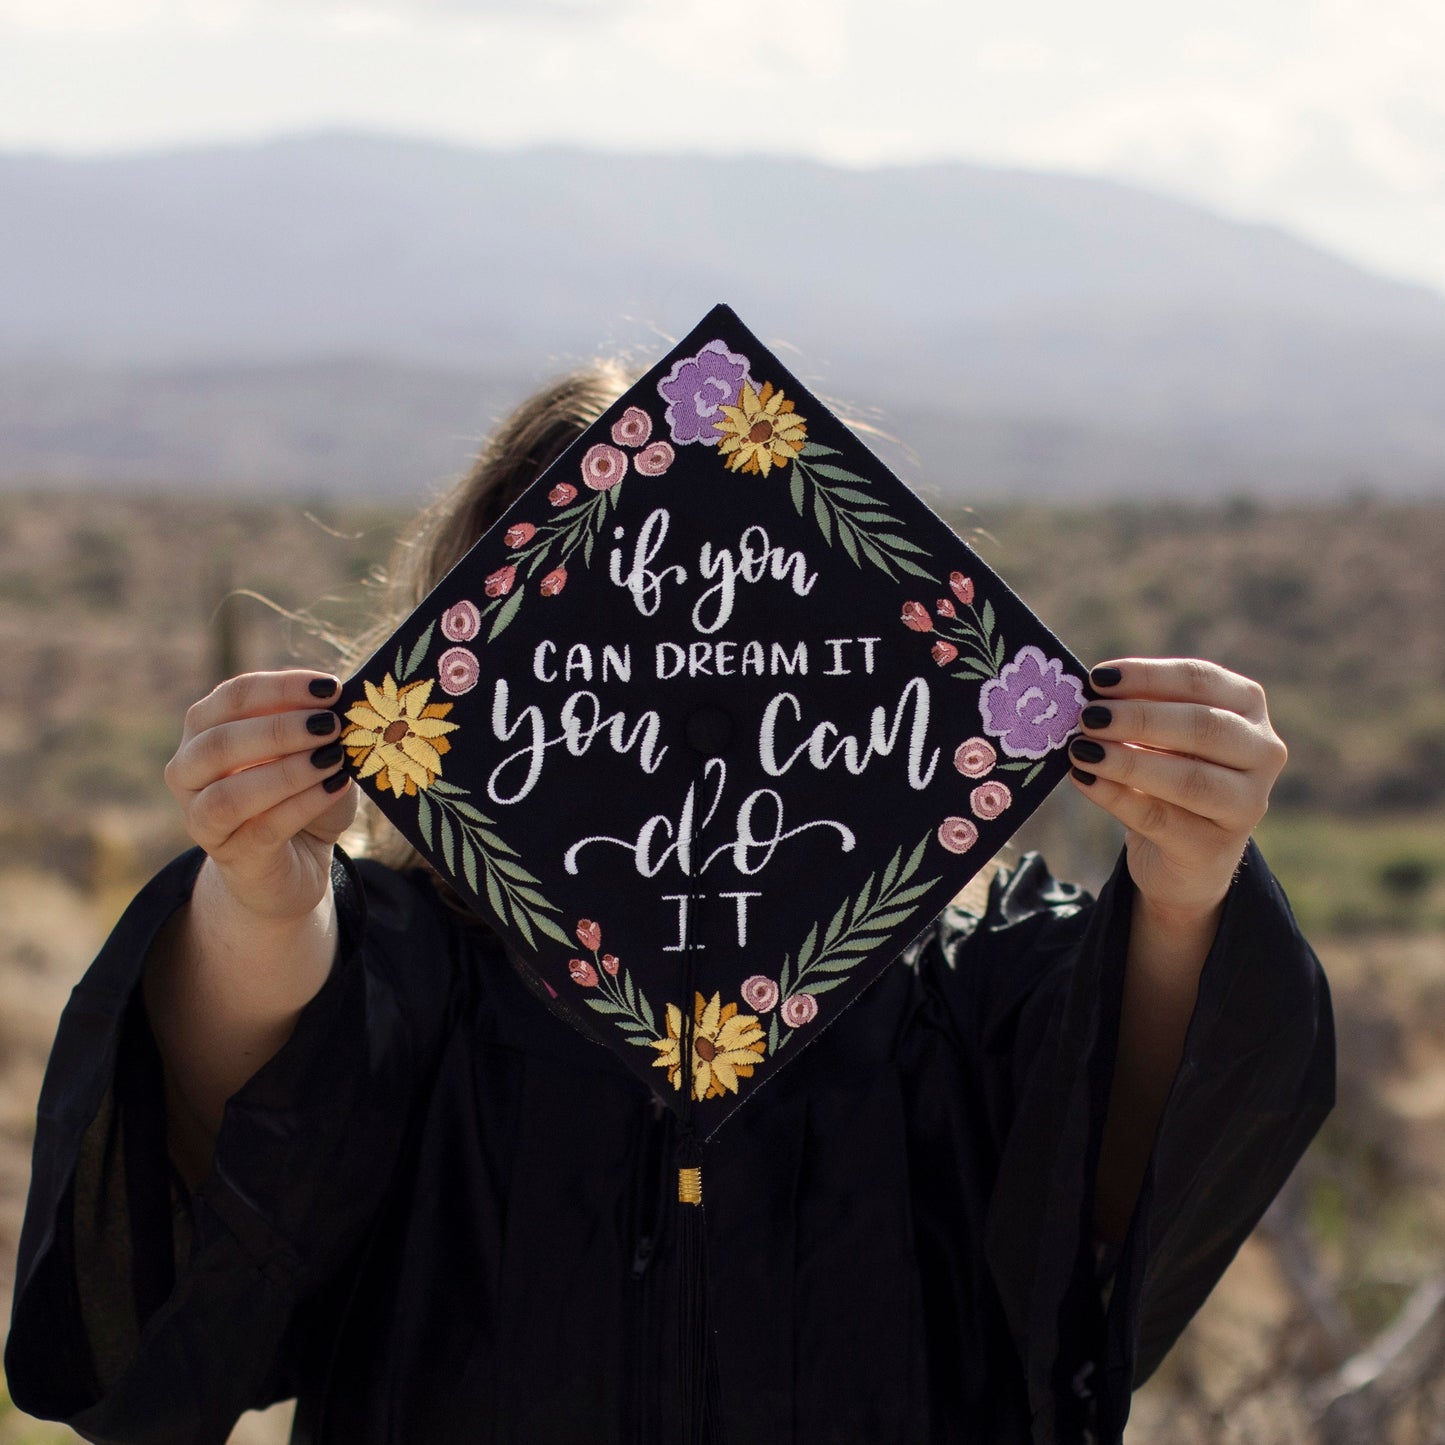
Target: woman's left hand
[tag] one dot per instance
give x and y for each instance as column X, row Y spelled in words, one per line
column 1182, row 753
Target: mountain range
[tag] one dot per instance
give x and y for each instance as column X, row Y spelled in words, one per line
column 344, row 312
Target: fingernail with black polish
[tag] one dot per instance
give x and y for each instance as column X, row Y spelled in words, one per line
column 1087, row 750
column 323, row 686
column 1096, row 715
column 322, row 723
column 335, row 783
column 1106, row 677
column 328, row 756
column 1087, row 779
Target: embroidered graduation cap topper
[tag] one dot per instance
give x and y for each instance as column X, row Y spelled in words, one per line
column 712, row 722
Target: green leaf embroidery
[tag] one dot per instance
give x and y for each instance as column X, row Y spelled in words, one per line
column 901, row 544
column 494, row 897
column 820, row 513
column 891, row 871
column 469, row 864
column 845, row 536
column 551, row 929
column 508, row 612
column 524, row 927
column 418, row 651
column 817, row 449
column 795, row 486
column 912, row 568
column 423, row 818
column 914, row 859
column 448, row 844
column 805, row 953
column 514, row 870
column 987, row 619
column 842, row 474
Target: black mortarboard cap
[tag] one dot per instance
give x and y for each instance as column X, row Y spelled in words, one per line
column 713, row 722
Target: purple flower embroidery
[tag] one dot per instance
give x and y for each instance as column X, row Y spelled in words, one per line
column 697, row 387
column 1032, row 706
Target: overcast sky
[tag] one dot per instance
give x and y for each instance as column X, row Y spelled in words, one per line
column 1328, row 118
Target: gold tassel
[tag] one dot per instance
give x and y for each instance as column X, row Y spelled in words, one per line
column 689, row 1186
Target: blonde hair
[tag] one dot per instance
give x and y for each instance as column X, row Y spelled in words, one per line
column 521, row 448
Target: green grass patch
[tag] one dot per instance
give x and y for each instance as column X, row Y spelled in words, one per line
column 1349, row 874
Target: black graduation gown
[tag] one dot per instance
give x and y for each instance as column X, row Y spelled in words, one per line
column 439, row 1215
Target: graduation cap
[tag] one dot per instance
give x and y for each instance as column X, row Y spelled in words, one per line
column 712, row 723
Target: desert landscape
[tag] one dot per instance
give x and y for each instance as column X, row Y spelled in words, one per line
column 117, row 609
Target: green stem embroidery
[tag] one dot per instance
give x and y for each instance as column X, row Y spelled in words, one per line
column 579, row 525
column 860, row 925
column 979, row 638
column 624, row 1003
column 445, row 818
column 865, row 527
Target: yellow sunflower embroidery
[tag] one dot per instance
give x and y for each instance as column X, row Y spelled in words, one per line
column 761, row 432
column 726, row 1046
column 397, row 737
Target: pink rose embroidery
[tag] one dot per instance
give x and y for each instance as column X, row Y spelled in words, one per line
column 582, row 972
column 988, row 800
column 958, row 835
column 561, row 494
column 611, row 963
column 603, row 467
column 632, row 428
column 975, row 757
column 915, row 615
column 458, row 670
column 760, row 993
column 654, row 460
column 944, row 652
column 519, row 534
column 461, row 622
column 589, row 934
column 499, row 583
column 799, row 1009
column 553, row 582
column 945, row 608
column 962, row 587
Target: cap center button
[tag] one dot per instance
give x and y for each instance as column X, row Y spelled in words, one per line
column 709, row 730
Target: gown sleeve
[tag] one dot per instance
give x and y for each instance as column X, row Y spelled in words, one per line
column 1034, row 990
column 146, row 1313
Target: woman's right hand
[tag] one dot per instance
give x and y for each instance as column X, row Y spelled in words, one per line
column 258, row 777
